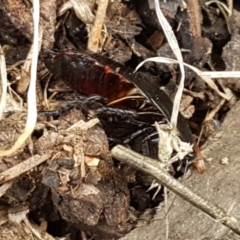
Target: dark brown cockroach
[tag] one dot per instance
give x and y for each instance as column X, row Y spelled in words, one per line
column 111, row 80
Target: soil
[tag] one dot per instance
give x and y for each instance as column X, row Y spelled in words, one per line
column 63, row 181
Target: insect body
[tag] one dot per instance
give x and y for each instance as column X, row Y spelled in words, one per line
column 111, row 80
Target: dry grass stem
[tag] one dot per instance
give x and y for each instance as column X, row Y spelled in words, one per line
column 83, row 10
column 219, row 3
column 31, row 96
column 176, row 50
column 201, row 74
column 3, row 84
column 230, row 7
column 166, row 211
column 64, row 8
column 221, row 74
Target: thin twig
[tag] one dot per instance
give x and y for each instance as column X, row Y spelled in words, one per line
column 210, row 115
column 166, row 212
column 195, row 17
column 214, row 111
column 22, row 167
column 5, row 187
column 45, row 91
column 95, row 34
column 220, row 81
column 151, row 167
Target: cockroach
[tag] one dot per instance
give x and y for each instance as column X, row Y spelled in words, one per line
column 92, row 74
column 111, row 80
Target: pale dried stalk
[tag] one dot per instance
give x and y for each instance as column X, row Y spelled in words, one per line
column 226, row 11
column 176, row 50
column 31, row 96
column 221, row 74
column 230, row 7
column 166, row 212
column 3, row 79
column 220, row 3
column 201, row 74
column 151, row 167
column 82, row 10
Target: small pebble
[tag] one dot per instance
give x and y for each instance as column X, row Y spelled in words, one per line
column 224, row 161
